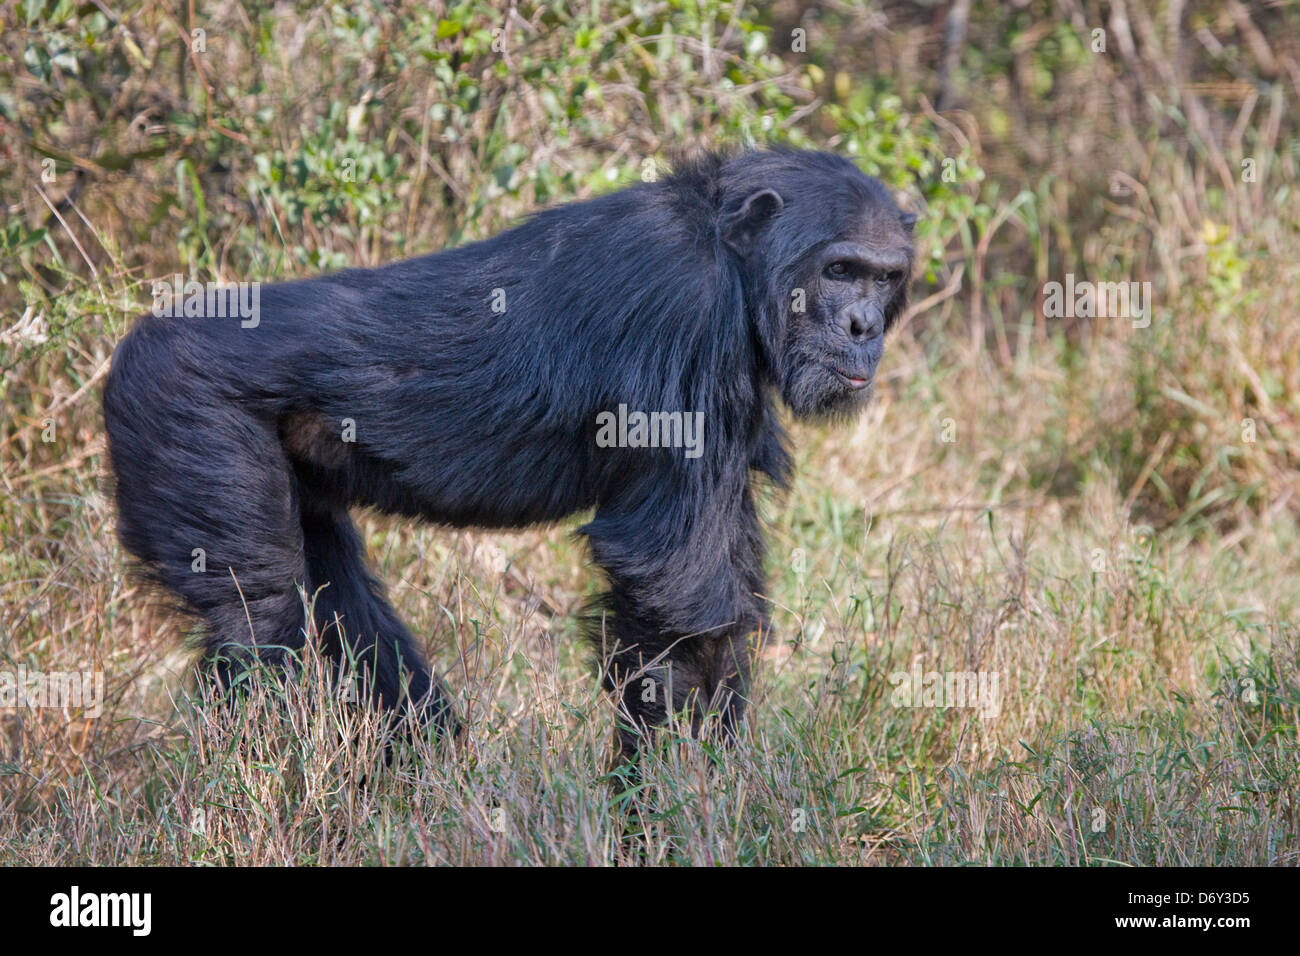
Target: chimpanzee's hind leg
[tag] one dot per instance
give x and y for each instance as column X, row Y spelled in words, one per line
column 357, row 623
column 210, row 503
column 207, row 501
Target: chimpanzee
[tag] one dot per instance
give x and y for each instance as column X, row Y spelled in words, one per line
column 623, row 354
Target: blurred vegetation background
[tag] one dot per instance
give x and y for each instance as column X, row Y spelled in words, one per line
column 1105, row 514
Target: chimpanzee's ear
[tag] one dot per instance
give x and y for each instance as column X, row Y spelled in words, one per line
column 741, row 228
column 908, row 220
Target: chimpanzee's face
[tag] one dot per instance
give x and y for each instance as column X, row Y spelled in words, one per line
column 855, row 287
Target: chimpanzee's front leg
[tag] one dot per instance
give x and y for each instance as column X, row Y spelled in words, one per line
column 655, row 674
column 677, row 630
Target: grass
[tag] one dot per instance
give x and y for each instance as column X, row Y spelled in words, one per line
column 1148, row 687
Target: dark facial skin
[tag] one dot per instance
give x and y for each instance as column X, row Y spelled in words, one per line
column 856, row 287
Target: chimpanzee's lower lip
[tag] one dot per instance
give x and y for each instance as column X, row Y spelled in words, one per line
column 852, row 381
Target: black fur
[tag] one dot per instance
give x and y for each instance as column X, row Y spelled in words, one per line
column 668, row 296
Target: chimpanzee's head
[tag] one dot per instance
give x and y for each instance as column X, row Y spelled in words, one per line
column 826, row 258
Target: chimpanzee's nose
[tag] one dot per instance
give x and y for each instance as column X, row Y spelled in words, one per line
column 862, row 322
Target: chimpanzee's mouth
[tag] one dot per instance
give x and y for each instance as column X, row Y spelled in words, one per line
column 856, row 380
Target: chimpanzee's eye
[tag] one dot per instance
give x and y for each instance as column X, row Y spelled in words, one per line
column 886, row 278
column 838, row 270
